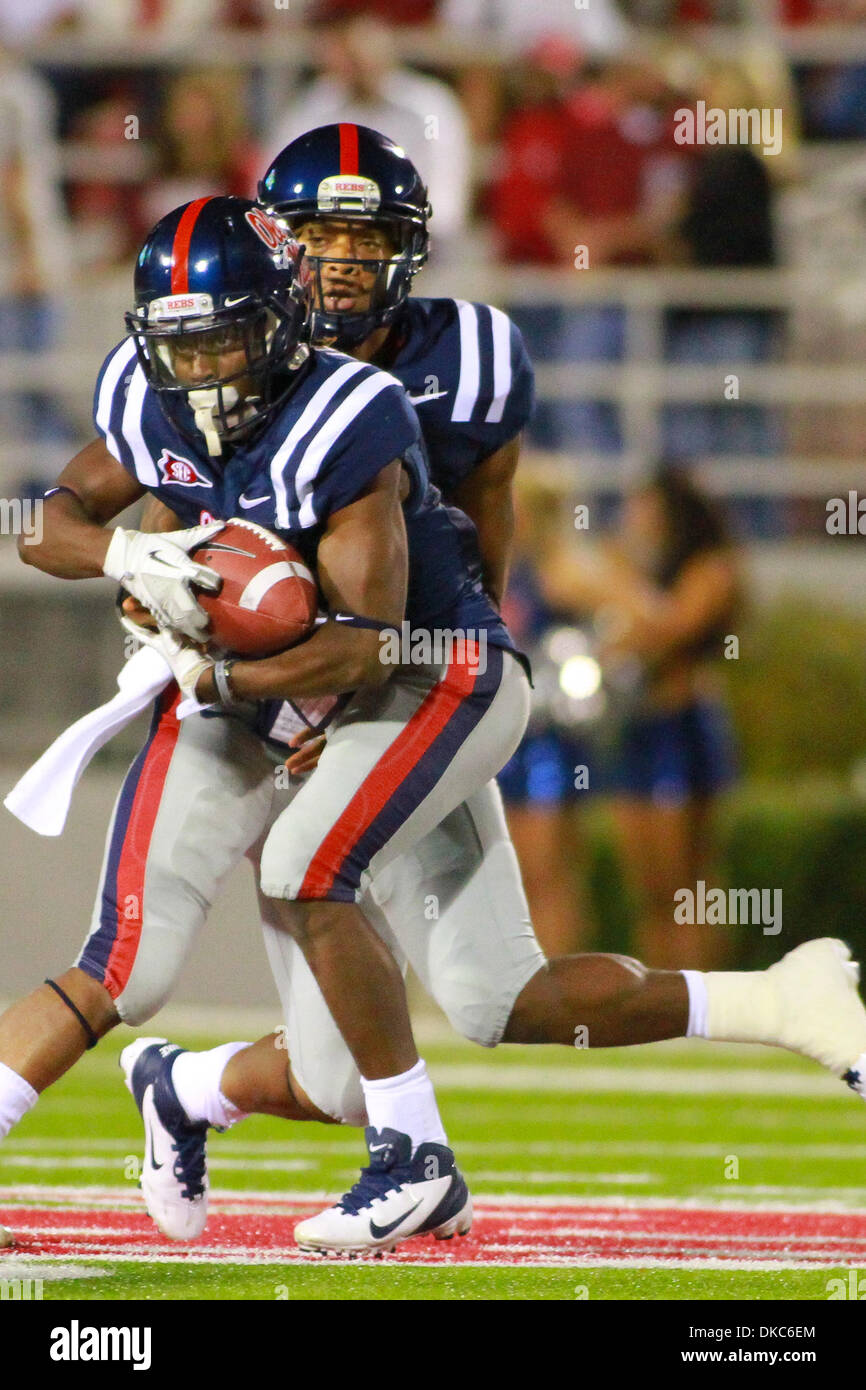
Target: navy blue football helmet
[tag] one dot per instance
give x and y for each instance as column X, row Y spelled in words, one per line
column 218, row 281
column 350, row 172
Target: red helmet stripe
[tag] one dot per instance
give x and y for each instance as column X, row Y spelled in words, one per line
column 180, row 246
column 348, row 149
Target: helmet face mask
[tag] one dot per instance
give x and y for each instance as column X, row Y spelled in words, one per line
column 222, row 360
column 353, row 175
column 381, row 283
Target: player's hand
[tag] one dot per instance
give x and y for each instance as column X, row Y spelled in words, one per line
column 158, row 572
column 310, row 747
column 137, row 613
column 188, row 663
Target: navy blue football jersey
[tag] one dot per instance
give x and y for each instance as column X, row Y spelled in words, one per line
column 467, row 372
column 342, row 424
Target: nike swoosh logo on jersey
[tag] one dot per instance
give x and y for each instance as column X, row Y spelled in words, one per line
column 427, row 396
column 252, row 501
column 379, row 1232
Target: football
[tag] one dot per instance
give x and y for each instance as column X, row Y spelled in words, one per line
column 268, row 600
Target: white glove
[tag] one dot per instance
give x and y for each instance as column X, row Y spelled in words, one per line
column 187, row 664
column 157, row 571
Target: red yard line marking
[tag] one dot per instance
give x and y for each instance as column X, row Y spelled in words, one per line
column 554, row 1233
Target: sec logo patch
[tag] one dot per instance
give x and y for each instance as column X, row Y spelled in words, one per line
column 175, row 469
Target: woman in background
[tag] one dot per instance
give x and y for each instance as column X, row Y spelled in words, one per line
column 538, row 785
column 664, row 593
column 204, row 143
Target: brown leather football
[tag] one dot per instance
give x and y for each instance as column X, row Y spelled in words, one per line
column 268, row 600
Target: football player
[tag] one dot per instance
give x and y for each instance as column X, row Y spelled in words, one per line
column 216, row 405
column 345, row 193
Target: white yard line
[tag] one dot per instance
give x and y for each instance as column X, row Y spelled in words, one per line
column 84, row 1161
column 566, row 1148
column 590, row 1079
column 48, row 1272
column 292, row 1256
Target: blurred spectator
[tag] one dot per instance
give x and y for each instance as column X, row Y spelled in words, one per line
column 597, row 27
column 729, row 214
column 821, row 11
column 393, row 11
column 204, row 143
column 518, row 27
column 598, row 163
column 176, row 19
column 728, row 222
column 107, row 173
column 248, row 14
column 664, row 13
column 665, row 595
column 21, row 24
column 834, row 101
column 540, row 782
column 33, row 259
column 590, row 162
column 361, row 83
column 534, row 149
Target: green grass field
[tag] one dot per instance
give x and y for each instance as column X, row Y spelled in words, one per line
column 632, row 1133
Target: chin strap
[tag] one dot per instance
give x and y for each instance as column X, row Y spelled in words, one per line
column 208, row 403
column 204, row 404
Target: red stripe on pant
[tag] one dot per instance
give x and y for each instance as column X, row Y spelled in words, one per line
column 380, row 784
column 136, row 847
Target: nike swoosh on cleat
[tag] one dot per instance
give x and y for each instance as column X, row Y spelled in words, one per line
column 152, row 1163
column 379, row 1232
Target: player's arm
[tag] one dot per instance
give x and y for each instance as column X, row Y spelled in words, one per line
column 76, row 543
column 74, row 539
column 156, row 517
column 487, row 499
column 363, row 566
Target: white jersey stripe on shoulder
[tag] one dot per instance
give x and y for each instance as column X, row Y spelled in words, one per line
column 113, row 373
column 328, row 435
column 469, row 381
column 145, row 467
column 314, row 408
column 502, row 374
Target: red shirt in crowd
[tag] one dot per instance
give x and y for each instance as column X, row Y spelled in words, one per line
column 392, row 11
column 584, row 153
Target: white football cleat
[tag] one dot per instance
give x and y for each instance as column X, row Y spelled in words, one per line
column 398, row 1195
column 820, row 1012
column 174, row 1178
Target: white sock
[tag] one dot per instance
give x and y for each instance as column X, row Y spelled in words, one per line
column 197, row 1076
column 406, row 1103
column 697, row 986
column 742, row 1006
column 17, row 1096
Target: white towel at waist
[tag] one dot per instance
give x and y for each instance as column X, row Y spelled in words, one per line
column 42, row 797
